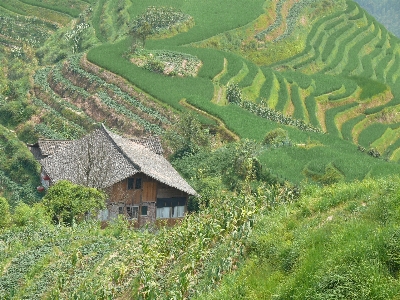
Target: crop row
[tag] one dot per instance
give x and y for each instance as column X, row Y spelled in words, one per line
column 57, row 262
column 276, row 116
column 293, row 17
column 277, row 22
column 24, row 29
column 58, row 123
column 68, row 110
column 45, row 15
column 106, row 99
column 98, row 83
column 330, row 117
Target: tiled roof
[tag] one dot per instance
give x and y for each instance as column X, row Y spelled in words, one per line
column 48, row 147
column 151, row 164
column 151, row 142
column 103, row 158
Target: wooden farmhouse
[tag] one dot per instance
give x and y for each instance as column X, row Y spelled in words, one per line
column 140, row 182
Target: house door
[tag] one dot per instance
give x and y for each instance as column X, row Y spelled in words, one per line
column 149, row 191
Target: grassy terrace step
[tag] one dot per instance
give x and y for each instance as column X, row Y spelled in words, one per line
column 314, row 34
column 252, row 92
column 94, row 83
column 350, row 88
column 348, row 126
column 302, row 80
column 96, row 20
column 334, row 40
column 371, row 133
column 300, row 112
column 383, row 65
column 345, row 48
column 388, row 138
column 283, row 95
column 311, row 106
column 330, row 118
column 395, row 68
column 72, row 8
column 346, row 60
column 24, row 9
column 250, row 76
column 326, row 84
column 394, row 151
column 270, row 88
column 235, row 65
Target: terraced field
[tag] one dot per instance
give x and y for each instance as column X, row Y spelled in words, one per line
column 335, row 69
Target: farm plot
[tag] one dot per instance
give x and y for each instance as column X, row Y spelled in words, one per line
column 46, row 15
column 347, row 127
column 330, row 118
column 371, row 133
column 107, row 102
column 21, row 29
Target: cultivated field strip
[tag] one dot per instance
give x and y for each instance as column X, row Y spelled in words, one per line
column 32, row 10
column 83, row 98
column 349, row 46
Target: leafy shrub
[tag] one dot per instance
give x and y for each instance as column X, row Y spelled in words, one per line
column 392, row 252
column 15, row 112
column 5, row 216
column 330, row 176
column 277, row 137
column 234, row 94
column 187, row 136
column 161, row 19
column 374, row 153
column 35, row 215
column 69, row 203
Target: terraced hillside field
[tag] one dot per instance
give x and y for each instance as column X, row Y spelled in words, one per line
column 325, row 71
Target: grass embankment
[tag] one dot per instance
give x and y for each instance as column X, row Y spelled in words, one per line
column 340, row 242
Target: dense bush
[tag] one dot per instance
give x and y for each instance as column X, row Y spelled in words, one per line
column 277, row 137
column 69, row 203
column 234, row 94
column 5, row 216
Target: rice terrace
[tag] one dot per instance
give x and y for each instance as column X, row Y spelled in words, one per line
column 281, row 116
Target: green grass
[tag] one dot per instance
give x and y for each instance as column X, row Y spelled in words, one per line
column 248, row 79
column 235, row 65
column 336, row 243
column 369, row 88
column 371, row 134
column 72, row 7
column 21, row 8
column 348, row 126
column 330, row 115
column 297, row 103
column 311, row 106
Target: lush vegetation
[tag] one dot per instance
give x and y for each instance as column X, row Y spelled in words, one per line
column 284, row 99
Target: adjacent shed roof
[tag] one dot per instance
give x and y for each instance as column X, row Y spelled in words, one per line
column 103, row 158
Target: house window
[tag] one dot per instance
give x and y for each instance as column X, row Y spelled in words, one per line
column 163, row 212
column 170, row 208
column 121, row 210
column 130, row 183
column 178, row 211
column 132, row 212
column 138, row 184
column 143, row 211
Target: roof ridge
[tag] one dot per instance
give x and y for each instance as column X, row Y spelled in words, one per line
column 119, row 147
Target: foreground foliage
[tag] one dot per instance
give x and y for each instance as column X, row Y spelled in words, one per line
column 340, row 242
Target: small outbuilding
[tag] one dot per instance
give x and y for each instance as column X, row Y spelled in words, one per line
column 140, row 182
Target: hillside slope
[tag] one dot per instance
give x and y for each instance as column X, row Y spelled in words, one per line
column 340, row 242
